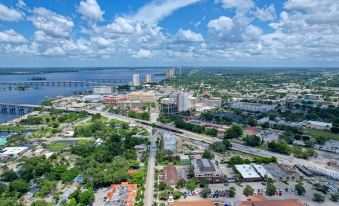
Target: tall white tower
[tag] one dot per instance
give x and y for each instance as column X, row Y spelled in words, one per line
column 136, row 80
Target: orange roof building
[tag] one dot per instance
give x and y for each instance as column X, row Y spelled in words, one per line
column 121, row 194
column 257, row 200
column 192, row 203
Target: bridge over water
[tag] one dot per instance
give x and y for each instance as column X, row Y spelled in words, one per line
column 67, row 83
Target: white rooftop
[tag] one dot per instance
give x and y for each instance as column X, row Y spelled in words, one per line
column 322, row 124
column 247, row 171
column 13, row 150
column 261, row 171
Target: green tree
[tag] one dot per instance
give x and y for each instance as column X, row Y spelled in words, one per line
column 205, row 192
column 181, row 183
column 19, row 186
column 317, row 197
column 248, row 190
column 208, row 154
column 39, row 203
column 300, row 189
column 270, row 189
column 252, row 140
column 191, row 184
column 177, row 195
column 334, row 197
column 8, row 175
column 232, row 192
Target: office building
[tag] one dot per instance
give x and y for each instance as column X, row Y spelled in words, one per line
column 181, row 100
column 207, row 169
column 252, row 107
column 148, row 78
column 170, row 73
column 168, row 107
column 103, row 90
column 144, row 97
column 136, row 80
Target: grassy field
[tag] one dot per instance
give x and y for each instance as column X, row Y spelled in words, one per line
column 318, row 133
column 57, row 145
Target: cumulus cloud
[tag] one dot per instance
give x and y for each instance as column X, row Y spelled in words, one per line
column 142, row 53
column 157, row 10
column 221, row 26
column 237, row 4
column 266, row 13
column 188, row 36
column 8, row 14
column 90, row 10
column 51, row 23
column 10, row 36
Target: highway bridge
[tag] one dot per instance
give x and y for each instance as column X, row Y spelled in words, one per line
column 66, row 83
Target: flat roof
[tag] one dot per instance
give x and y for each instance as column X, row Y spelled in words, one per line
column 247, row 171
column 13, row 150
column 261, row 170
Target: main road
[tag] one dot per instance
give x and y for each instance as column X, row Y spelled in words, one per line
column 148, row 201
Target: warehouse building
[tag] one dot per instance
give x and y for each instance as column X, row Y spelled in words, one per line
column 248, row 173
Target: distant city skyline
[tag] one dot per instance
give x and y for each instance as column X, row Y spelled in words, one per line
column 129, row 33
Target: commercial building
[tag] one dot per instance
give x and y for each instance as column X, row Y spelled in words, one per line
column 248, row 173
column 213, row 102
column 129, row 104
column 114, row 100
column 181, row 100
column 317, row 125
column 170, row 143
column 193, row 203
column 103, row 89
column 259, row 200
column 262, row 171
column 92, row 98
column 144, row 97
column 170, row 175
column 168, row 107
column 148, row 78
column 121, row 195
column 12, row 152
column 252, row 107
column 136, row 80
column 170, row 73
column 207, row 169
column 329, row 146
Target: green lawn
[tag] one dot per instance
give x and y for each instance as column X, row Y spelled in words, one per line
column 57, row 145
column 318, row 133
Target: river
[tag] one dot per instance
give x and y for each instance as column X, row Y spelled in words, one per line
column 37, row 95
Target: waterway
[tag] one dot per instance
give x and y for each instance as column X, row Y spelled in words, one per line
column 38, row 94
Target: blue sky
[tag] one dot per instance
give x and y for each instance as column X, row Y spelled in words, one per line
column 169, row 33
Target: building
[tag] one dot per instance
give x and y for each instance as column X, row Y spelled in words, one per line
column 121, row 195
column 129, row 104
column 259, row 200
column 248, row 173
column 170, row 143
column 193, row 203
column 114, row 100
column 181, row 100
column 184, row 159
column 168, row 107
column 329, row 146
column 252, row 107
column 92, row 98
column 170, row 73
column 144, row 97
column 170, row 175
column 213, row 102
column 207, row 169
column 103, row 90
column 148, row 78
column 136, row 80
column 262, row 171
column 12, row 152
column 317, row 125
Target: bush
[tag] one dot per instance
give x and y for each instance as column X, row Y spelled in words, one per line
column 248, row 190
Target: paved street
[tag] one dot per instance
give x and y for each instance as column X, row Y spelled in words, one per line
column 150, row 172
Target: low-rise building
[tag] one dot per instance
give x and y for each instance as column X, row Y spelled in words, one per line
column 170, row 143
column 114, row 100
column 144, row 97
column 329, row 146
column 248, row 173
column 129, row 104
column 12, row 152
column 207, row 169
column 103, row 90
column 259, row 200
column 170, row 175
column 318, row 125
column 121, row 194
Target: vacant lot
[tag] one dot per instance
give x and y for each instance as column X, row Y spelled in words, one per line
column 318, row 133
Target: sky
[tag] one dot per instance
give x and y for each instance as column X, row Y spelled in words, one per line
column 250, row 33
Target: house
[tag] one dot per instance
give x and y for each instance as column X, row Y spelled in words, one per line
column 207, row 169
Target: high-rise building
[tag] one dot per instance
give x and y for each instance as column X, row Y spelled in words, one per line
column 148, row 78
column 181, row 100
column 170, row 73
column 136, row 80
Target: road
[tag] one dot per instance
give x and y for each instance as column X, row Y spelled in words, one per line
column 148, row 201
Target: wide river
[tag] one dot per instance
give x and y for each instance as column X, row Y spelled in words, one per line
column 37, row 95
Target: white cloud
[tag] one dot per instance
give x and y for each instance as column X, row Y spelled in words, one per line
column 221, row 26
column 266, row 13
column 237, row 4
column 8, row 14
column 253, row 32
column 157, row 10
column 90, row 10
column 51, row 23
column 188, row 36
column 142, row 53
column 10, row 36
column 54, row 51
